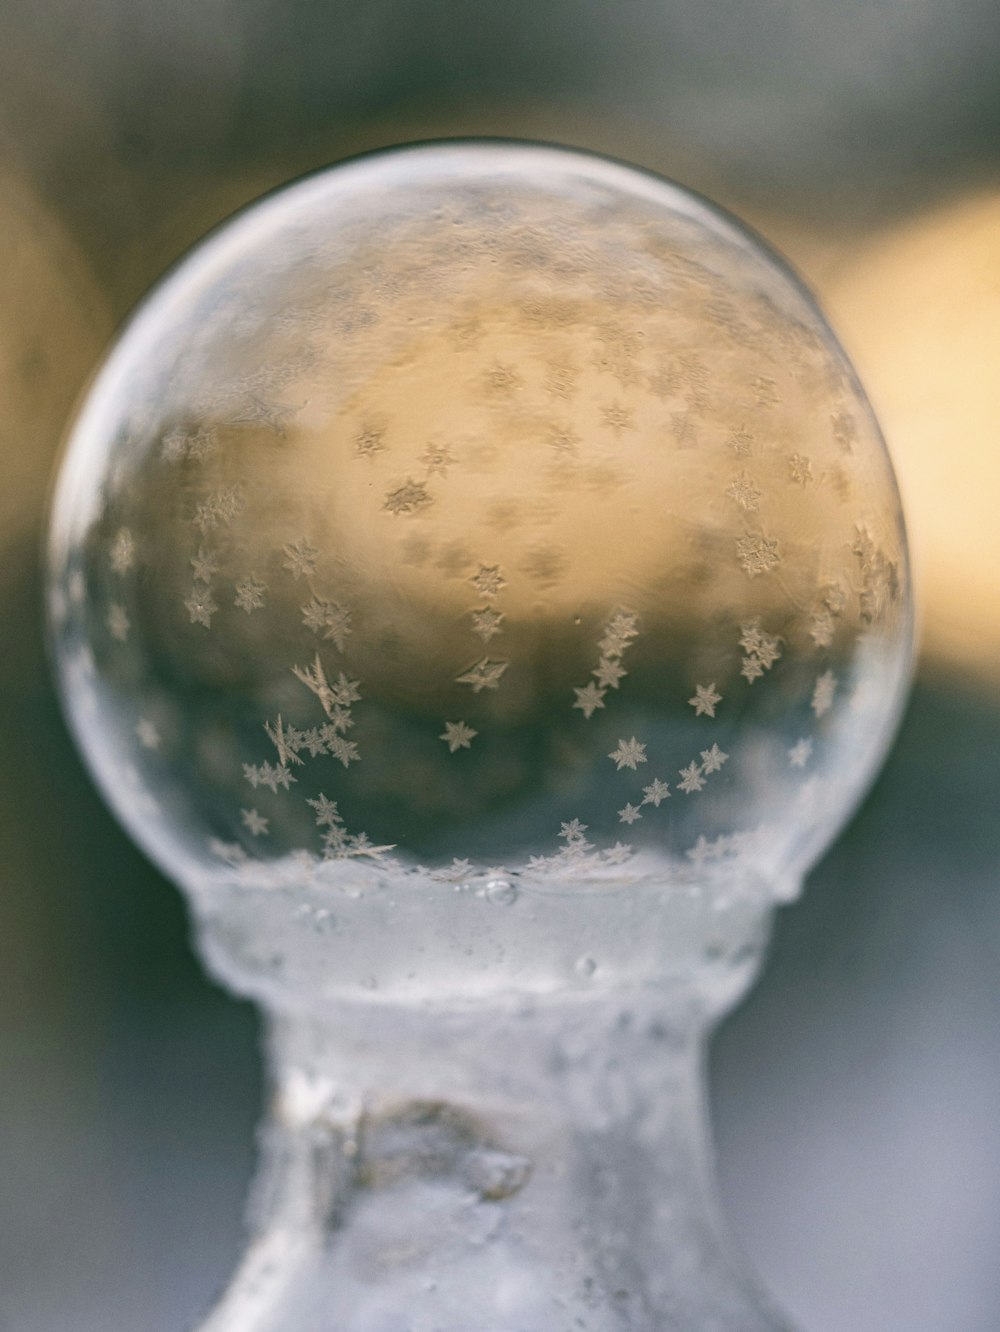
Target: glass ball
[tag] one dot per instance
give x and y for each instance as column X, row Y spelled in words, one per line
column 486, row 513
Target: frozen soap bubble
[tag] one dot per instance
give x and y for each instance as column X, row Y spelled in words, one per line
column 485, row 513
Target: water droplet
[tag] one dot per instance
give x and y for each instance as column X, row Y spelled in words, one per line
column 585, row 966
column 501, row 891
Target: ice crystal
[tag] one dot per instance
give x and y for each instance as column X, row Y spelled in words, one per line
column 485, row 674
column 757, row 554
column 255, row 822
column 458, row 736
column 655, row 792
column 410, row 497
column 250, row 593
column 705, row 700
column 588, row 699
column 301, row 558
column 629, row 754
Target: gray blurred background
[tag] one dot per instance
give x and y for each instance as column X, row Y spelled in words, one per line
column 856, row 1094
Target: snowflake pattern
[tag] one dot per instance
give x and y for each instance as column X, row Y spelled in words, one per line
column 220, row 507
column 712, row 759
column 486, row 622
column 342, row 749
column 263, row 412
column 485, row 674
column 339, row 695
column 437, row 458
column 628, row 754
column 410, row 497
column 609, row 672
column 271, row 775
column 799, row 469
column 757, row 554
column 286, row 742
column 655, row 792
column 250, row 593
column 458, row 736
column 588, row 699
column 301, row 559
column 370, row 439
column 502, row 379
column 618, row 634
column 550, row 414
column 327, row 814
column 617, row 418
column 746, row 494
column 762, row 650
column 328, row 618
column 254, row 822
column 705, row 700
column 617, row 638
column 489, row 581
column 741, row 442
column 562, row 437
column 205, row 565
column 337, row 842
column 618, row 854
column 573, row 832
column 200, row 605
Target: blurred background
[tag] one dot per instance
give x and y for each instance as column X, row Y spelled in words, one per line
column 856, row 1094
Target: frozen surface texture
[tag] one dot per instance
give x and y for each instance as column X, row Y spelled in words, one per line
column 478, row 578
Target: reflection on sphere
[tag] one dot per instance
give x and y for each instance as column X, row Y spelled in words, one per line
column 486, row 513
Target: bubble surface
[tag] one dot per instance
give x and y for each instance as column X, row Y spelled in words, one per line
column 481, row 514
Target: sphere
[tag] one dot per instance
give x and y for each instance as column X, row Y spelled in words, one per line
column 481, row 512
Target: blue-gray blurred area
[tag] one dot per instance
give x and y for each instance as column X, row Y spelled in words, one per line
column 856, row 1094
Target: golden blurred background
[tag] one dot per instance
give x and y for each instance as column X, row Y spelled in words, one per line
column 855, row 1094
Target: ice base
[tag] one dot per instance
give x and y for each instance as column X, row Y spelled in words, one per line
column 489, row 1159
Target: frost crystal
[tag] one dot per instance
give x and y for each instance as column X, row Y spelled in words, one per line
column 757, row 554
column 485, row 674
column 488, row 581
column 629, row 754
column 691, row 778
column 458, row 736
column 255, row 822
column 410, row 497
column 588, row 699
column 301, row 559
column 655, row 792
column 705, row 700
column 250, row 594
